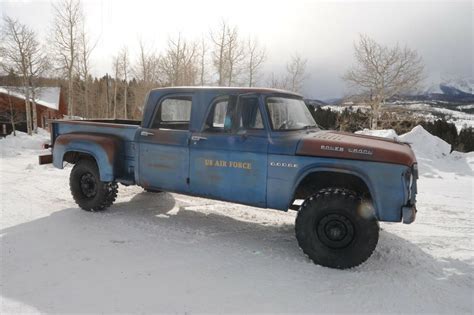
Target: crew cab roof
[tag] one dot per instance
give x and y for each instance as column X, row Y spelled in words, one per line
column 224, row 89
column 205, row 95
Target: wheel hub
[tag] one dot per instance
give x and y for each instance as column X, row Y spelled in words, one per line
column 88, row 185
column 335, row 231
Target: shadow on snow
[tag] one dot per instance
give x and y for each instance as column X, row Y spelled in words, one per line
column 140, row 257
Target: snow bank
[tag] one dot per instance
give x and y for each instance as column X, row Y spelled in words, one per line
column 433, row 154
column 13, row 145
column 385, row 133
column 424, row 144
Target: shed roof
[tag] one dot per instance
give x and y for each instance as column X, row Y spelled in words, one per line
column 45, row 96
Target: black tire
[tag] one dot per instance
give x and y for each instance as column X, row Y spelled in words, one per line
column 332, row 231
column 86, row 188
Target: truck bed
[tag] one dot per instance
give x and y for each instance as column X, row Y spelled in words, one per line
column 124, row 129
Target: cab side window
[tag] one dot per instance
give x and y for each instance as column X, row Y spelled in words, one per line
column 248, row 114
column 220, row 116
column 174, row 112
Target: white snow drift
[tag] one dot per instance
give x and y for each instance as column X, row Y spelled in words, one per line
column 170, row 253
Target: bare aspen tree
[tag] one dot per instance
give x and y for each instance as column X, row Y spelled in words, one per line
column 10, row 113
column 296, row 75
column 255, row 58
column 219, row 39
column 117, row 74
column 67, row 21
column 381, row 72
column 21, row 52
column 228, row 54
column 203, row 48
column 124, row 65
column 84, row 50
column 235, row 55
column 178, row 64
column 146, row 67
column 277, row 82
column 146, row 71
column 38, row 64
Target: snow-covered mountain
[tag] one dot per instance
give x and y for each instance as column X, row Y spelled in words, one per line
column 452, row 87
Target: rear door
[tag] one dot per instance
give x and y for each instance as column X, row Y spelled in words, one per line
column 228, row 157
column 164, row 150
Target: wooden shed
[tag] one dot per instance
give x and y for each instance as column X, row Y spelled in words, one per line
column 50, row 104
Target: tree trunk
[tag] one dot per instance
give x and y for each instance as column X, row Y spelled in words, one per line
column 70, row 104
column 107, row 98
column 28, row 109
column 33, row 109
column 125, row 101
column 115, row 98
column 86, row 95
column 12, row 114
column 375, row 116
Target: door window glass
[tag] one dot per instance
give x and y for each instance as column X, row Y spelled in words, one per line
column 248, row 115
column 220, row 116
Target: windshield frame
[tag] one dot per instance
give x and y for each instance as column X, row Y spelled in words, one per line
column 288, row 96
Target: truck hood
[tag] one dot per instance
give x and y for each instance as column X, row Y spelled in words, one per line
column 355, row 147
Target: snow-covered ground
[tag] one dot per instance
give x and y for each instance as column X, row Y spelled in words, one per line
column 171, row 253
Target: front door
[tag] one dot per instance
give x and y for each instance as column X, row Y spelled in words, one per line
column 164, row 149
column 228, row 157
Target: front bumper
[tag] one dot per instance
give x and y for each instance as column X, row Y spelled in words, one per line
column 408, row 214
column 409, row 210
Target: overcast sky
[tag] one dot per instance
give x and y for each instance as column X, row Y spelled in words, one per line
column 323, row 32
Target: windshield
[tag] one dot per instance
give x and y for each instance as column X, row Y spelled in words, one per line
column 289, row 114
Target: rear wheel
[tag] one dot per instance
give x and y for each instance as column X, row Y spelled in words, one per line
column 86, row 188
column 335, row 229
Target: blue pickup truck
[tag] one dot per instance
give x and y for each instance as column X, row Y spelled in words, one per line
column 259, row 147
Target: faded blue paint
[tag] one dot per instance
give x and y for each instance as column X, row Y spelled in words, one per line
column 106, row 167
column 385, row 181
column 224, row 179
column 171, row 160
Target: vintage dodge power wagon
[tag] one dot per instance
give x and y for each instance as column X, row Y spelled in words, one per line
column 259, row 147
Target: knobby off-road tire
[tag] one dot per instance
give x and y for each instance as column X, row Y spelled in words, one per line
column 334, row 231
column 86, row 188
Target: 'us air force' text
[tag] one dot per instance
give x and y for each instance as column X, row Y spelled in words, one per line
column 231, row 164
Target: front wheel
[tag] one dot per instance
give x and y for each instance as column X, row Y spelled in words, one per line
column 86, row 188
column 336, row 229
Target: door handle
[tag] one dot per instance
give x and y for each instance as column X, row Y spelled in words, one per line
column 146, row 133
column 198, row 138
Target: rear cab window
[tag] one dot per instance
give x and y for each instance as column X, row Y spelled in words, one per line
column 174, row 112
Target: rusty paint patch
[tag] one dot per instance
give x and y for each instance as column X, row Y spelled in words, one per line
column 110, row 144
column 350, row 146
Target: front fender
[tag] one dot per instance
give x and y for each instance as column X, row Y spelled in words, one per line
column 326, row 168
column 385, row 181
column 104, row 149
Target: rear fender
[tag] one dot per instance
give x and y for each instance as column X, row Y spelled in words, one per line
column 104, row 149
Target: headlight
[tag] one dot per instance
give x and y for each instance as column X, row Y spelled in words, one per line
column 415, row 170
column 409, row 178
